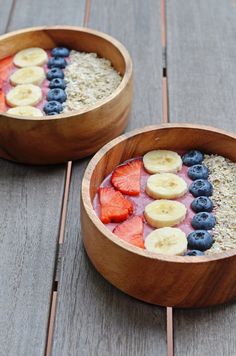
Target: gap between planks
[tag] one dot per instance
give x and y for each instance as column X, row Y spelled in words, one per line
column 52, row 313
column 165, row 119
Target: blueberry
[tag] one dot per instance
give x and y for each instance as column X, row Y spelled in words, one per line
column 201, row 187
column 203, row 221
column 52, row 112
column 57, row 62
column 56, row 95
column 55, row 73
column 60, row 52
column 194, row 253
column 202, row 204
column 57, row 83
column 193, row 157
column 200, row 240
column 52, row 106
column 198, row 171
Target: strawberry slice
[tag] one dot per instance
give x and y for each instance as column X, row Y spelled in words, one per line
column 6, row 66
column 131, row 231
column 114, row 206
column 126, row 178
column 3, row 106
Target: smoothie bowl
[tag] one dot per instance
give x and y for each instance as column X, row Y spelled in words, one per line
column 64, row 92
column 158, row 214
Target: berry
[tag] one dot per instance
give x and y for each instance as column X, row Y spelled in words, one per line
column 60, row 52
column 131, row 231
column 126, row 178
column 203, row 221
column 200, row 240
column 194, row 253
column 193, row 157
column 201, row 187
column 55, row 73
column 57, row 62
column 57, row 83
column 198, row 171
column 56, row 94
column 114, row 207
column 52, row 113
column 202, row 204
column 52, row 106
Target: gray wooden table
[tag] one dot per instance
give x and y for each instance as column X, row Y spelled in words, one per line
column 52, row 301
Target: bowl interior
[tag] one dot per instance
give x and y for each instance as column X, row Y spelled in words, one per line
column 174, row 137
column 79, row 39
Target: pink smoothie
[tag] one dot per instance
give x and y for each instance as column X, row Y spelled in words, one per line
column 139, row 202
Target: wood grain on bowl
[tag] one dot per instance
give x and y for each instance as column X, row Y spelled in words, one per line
column 67, row 136
column 179, row 281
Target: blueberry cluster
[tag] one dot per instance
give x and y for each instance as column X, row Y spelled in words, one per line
column 199, row 240
column 56, row 95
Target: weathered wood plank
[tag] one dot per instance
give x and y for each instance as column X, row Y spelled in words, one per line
column 201, row 58
column 5, row 7
column 30, row 207
column 93, row 318
column 36, row 13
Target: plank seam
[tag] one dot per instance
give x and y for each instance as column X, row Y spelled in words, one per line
column 10, row 15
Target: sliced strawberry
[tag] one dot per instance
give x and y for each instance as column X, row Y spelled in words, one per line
column 131, row 231
column 3, row 107
column 6, row 66
column 126, row 178
column 114, row 206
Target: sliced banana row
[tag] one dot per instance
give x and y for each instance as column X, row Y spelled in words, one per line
column 167, row 240
column 26, row 80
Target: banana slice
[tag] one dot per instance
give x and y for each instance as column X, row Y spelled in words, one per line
column 166, row 186
column 28, row 75
column 25, row 111
column 164, row 213
column 24, row 95
column 167, row 240
column 30, row 57
column 162, row 161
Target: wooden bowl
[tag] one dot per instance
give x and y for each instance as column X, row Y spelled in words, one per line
column 179, row 281
column 64, row 137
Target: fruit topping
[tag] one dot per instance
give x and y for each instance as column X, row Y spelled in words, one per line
column 52, row 106
column 163, row 213
column 126, row 178
column 131, row 231
column 28, row 75
column 200, row 240
column 5, row 68
column 55, row 73
column 167, row 240
column 192, row 157
column 57, row 62
column 162, row 161
column 60, row 52
column 24, row 95
column 203, row 221
column 2, row 101
column 198, row 171
column 25, row 111
column 202, row 204
column 166, row 185
column 57, row 83
column 194, row 253
column 56, row 95
column 30, row 57
column 113, row 205
column 201, row 187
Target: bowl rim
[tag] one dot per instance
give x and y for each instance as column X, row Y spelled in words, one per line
column 118, row 45
column 94, row 219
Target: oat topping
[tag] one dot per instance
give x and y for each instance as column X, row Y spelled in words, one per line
column 89, row 79
column 223, row 178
